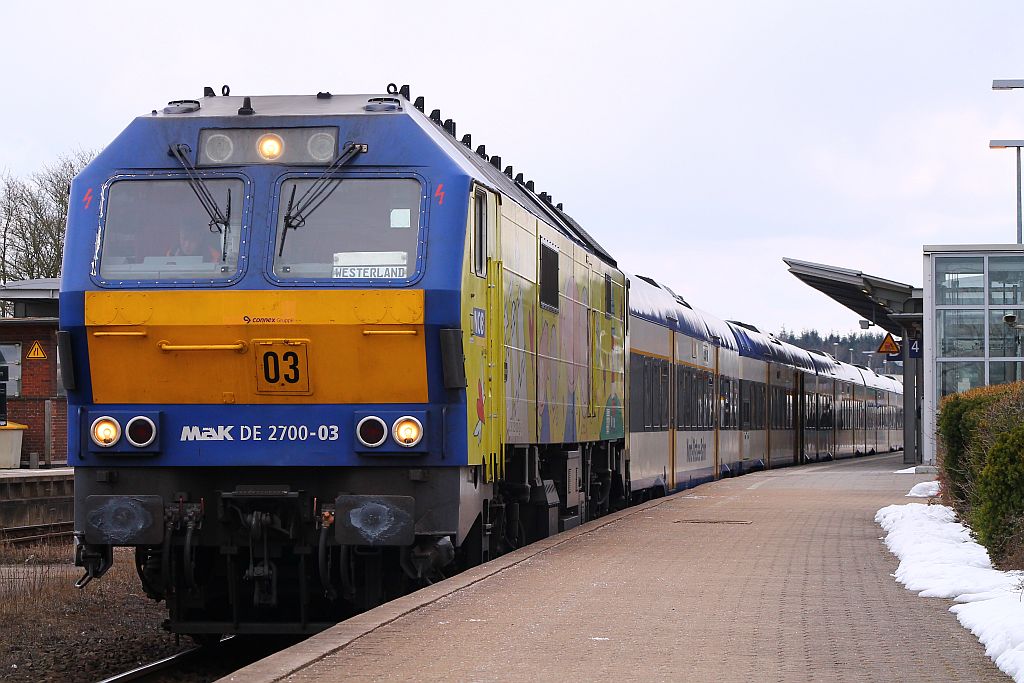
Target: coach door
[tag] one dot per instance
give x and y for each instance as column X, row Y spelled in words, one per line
column 485, row 354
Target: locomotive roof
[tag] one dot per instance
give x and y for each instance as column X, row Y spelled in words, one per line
column 475, row 165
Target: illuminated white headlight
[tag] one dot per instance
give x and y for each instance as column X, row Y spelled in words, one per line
column 105, row 431
column 270, row 146
column 407, row 431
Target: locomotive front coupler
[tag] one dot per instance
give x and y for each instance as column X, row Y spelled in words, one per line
column 96, row 559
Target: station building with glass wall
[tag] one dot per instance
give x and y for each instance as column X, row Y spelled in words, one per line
column 973, row 323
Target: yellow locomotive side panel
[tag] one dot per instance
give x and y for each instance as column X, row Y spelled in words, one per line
column 212, row 347
column 611, row 343
column 577, row 304
column 482, row 334
column 553, row 346
column 519, row 262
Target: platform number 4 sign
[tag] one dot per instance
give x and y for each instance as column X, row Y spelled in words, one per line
column 915, row 348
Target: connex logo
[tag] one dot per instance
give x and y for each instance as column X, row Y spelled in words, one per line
column 219, row 433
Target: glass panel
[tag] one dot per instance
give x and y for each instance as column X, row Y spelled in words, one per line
column 158, row 230
column 960, row 376
column 960, row 333
column 10, row 355
column 1006, row 280
column 357, row 230
column 1002, row 373
column 1004, row 341
column 959, row 281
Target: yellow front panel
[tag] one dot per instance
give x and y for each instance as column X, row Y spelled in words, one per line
column 213, row 346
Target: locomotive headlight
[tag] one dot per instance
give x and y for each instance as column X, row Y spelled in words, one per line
column 371, row 431
column 105, row 431
column 218, row 148
column 321, row 146
column 140, row 431
column 270, row 146
column 407, row 431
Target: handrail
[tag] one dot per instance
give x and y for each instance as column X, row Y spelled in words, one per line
column 367, row 333
column 119, row 334
column 239, row 346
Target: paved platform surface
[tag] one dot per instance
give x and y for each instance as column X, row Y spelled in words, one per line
column 775, row 576
column 53, row 472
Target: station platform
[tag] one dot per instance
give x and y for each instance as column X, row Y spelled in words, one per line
column 773, row 576
column 36, row 497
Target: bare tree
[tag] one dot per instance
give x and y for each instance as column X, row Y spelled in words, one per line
column 33, row 216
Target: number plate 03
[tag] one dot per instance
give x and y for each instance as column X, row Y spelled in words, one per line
column 281, row 366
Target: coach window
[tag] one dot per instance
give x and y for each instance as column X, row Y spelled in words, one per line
column 480, row 233
column 548, row 277
column 648, row 394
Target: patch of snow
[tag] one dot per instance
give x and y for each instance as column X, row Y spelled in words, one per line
column 938, row 558
column 926, row 489
column 909, row 470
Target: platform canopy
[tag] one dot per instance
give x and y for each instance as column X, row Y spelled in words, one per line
column 32, row 298
column 872, row 298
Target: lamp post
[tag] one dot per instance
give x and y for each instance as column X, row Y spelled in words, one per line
column 1016, row 144
column 1011, row 84
column 851, row 356
column 868, row 355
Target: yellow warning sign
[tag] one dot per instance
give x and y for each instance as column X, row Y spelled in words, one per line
column 36, row 352
column 889, row 345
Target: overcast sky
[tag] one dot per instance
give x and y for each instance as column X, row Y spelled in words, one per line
column 698, row 142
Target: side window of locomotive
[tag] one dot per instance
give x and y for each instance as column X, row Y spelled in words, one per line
column 480, row 233
column 609, row 300
column 158, row 230
column 358, row 229
column 548, row 277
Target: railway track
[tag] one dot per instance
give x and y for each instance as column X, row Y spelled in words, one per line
column 205, row 662
column 36, row 533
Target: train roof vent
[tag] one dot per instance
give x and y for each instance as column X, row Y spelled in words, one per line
column 746, row 326
column 649, row 280
column 181, row 107
column 383, row 104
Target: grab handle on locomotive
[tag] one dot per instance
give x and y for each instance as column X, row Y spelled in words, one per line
column 239, row 346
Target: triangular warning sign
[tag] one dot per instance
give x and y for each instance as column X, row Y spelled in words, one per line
column 36, row 352
column 889, row 345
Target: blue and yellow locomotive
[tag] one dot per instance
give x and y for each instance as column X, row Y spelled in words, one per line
column 320, row 351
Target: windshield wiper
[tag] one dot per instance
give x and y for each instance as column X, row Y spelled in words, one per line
column 316, row 194
column 219, row 220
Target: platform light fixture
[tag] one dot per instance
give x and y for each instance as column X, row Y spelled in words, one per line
column 1011, row 84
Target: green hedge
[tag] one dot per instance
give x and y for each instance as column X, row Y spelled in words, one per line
column 981, row 463
column 999, row 494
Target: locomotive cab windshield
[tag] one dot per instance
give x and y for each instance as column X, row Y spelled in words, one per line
column 364, row 229
column 156, row 230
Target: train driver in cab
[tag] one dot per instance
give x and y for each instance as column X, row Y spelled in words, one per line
column 197, row 242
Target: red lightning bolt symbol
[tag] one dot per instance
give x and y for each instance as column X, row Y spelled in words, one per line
column 439, row 193
column 87, row 199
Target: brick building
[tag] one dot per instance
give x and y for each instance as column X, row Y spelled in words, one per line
column 28, row 347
